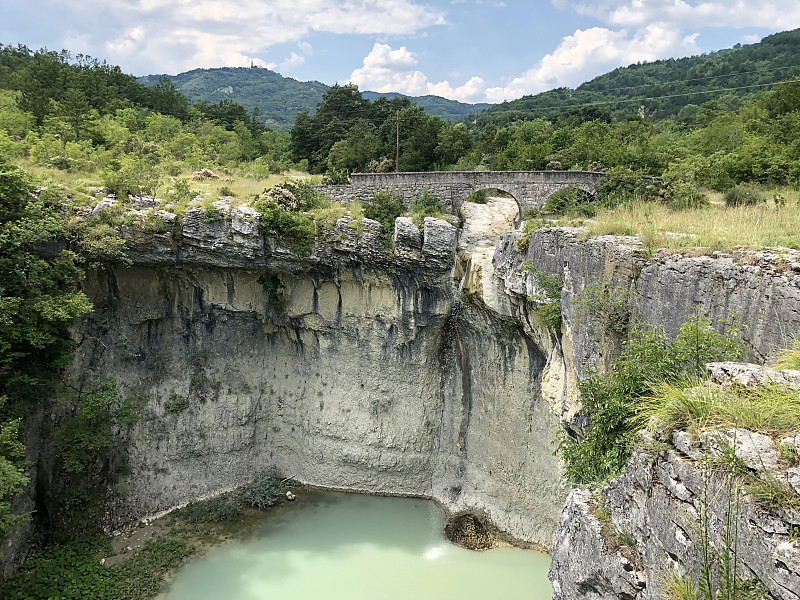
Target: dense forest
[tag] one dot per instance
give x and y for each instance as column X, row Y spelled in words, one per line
column 717, row 148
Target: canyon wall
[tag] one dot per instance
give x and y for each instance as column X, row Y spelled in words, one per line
column 410, row 371
column 351, row 368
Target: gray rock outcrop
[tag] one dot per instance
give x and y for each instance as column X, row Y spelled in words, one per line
column 678, row 515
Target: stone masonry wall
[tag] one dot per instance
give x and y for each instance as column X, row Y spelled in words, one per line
column 530, row 188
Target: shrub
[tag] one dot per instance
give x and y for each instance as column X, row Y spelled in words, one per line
column 549, row 310
column 743, row 195
column 572, row 202
column 153, row 223
column 222, row 508
column 612, row 401
column 622, row 185
column 75, row 571
column 90, row 430
column 266, row 488
column 294, row 227
column 427, row 205
column 306, row 197
column 607, row 305
column 386, row 206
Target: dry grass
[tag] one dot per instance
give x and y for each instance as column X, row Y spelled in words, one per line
column 243, row 184
column 713, row 228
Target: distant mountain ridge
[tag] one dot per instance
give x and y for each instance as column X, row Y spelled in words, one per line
column 277, row 98
column 280, row 98
column 662, row 89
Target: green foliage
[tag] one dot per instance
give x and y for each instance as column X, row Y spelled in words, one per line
column 132, row 176
column 89, row 431
column 74, row 571
column 607, row 305
column 222, row 508
column 570, row 202
column 176, row 404
column 623, row 185
column 611, row 402
column 426, row 205
column 306, row 196
column 12, row 472
column 549, row 299
column 273, row 288
column 676, row 88
column 38, row 303
column 349, row 133
column 266, row 489
column 385, row 207
column 743, row 195
column 294, row 227
column 154, row 223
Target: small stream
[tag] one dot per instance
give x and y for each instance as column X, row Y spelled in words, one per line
column 337, row 546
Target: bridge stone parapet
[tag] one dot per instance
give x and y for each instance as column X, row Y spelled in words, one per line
column 530, row 188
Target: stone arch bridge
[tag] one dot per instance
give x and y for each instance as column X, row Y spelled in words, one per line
column 529, row 188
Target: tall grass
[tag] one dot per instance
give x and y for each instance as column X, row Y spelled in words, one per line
column 699, row 406
column 788, row 358
column 714, row 227
column 677, row 586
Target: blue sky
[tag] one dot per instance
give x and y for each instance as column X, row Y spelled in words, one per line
column 468, row 50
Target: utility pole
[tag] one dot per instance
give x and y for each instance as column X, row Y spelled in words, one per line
column 397, row 156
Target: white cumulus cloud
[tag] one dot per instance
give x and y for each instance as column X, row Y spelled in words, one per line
column 174, row 35
column 388, row 70
column 771, row 14
column 588, row 52
column 640, row 30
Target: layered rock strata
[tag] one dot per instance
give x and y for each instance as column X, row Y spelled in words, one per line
column 352, row 368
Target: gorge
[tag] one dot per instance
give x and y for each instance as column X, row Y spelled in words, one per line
column 420, row 371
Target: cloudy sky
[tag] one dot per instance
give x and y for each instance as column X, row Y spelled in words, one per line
column 468, row 50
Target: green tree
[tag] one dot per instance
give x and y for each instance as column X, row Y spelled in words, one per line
column 38, row 302
column 75, row 110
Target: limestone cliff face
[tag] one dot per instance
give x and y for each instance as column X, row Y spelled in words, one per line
column 759, row 289
column 349, row 368
column 397, row 373
column 669, row 506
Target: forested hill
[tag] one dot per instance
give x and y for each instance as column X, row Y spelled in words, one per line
column 672, row 88
column 279, row 99
column 449, row 110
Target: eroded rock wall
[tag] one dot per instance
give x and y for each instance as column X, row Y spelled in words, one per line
column 670, row 507
column 350, row 368
column 359, row 369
